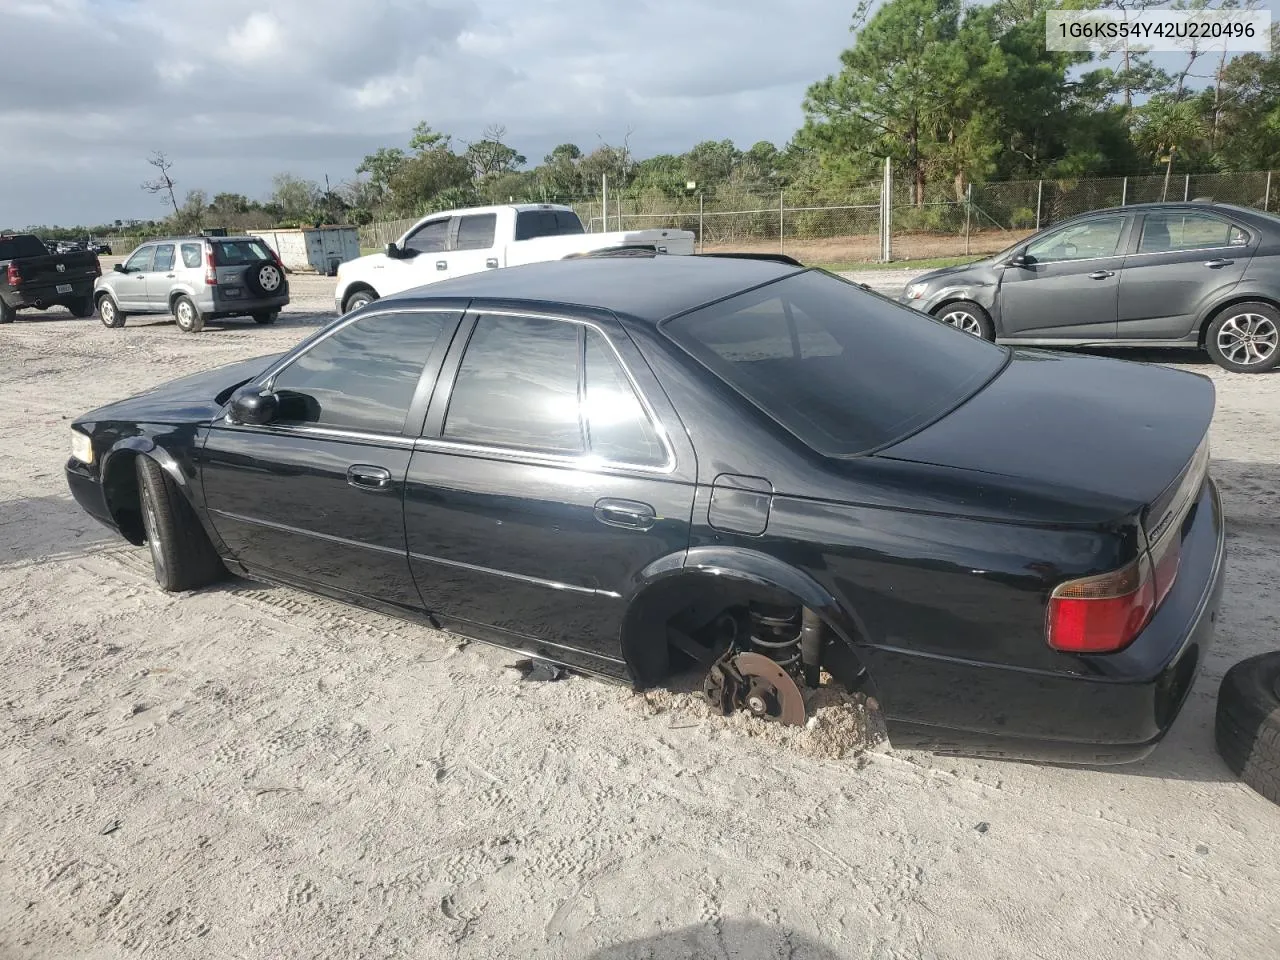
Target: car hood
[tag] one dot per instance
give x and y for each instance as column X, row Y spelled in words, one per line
column 965, row 272
column 1112, row 433
column 187, row 399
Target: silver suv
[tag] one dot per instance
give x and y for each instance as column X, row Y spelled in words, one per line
column 195, row 279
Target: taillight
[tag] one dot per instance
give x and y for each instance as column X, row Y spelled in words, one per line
column 1102, row 614
column 210, row 271
column 13, row 276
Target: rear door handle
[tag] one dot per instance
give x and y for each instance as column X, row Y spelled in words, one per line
column 625, row 513
column 491, row 263
column 1101, row 274
column 368, row 477
column 1215, row 264
column 442, row 264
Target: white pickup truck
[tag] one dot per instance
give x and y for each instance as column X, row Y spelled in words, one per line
column 457, row 242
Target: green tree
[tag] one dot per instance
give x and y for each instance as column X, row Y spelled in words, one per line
column 380, row 167
column 297, row 198
column 489, row 156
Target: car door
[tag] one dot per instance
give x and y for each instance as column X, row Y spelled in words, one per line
column 130, row 287
column 1069, row 286
column 1182, row 260
column 424, row 258
column 472, row 248
column 161, row 278
column 316, row 496
column 550, row 474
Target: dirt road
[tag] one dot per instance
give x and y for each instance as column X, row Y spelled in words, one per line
column 249, row 772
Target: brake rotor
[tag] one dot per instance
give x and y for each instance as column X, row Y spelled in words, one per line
column 769, row 692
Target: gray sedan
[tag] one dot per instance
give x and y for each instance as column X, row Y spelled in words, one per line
column 1198, row 275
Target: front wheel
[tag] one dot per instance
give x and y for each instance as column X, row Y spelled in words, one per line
column 109, row 313
column 1245, row 338
column 967, row 316
column 181, row 554
column 358, row 300
column 187, row 316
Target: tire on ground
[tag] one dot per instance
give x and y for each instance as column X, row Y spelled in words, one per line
column 1236, row 322
column 181, row 554
column 187, row 315
column 1247, row 725
column 83, row 308
column 358, row 299
column 979, row 323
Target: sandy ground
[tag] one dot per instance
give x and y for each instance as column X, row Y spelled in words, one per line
column 250, row 772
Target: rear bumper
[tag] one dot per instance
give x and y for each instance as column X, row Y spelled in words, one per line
column 1116, row 709
column 87, row 491
column 219, row 303
column 48, row 296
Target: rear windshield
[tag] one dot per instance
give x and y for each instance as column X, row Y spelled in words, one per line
column 546, row 223
column 21, row 247
column 844, row 370
column 232, row 253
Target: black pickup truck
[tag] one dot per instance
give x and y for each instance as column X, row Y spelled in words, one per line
column 31, row 276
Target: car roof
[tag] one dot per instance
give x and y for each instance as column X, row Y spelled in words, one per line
column 645, row 288
column 1168, row 205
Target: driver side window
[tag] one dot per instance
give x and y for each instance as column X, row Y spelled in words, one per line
column 361, row 377
column 141, row 260
column 431, row 237
column 1080, row 241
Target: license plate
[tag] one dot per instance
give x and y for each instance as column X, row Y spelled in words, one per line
column 64, row 288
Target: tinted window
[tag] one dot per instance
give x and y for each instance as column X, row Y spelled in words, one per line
column 1163, row 232
column 363, row 376
column 192, row 254
column 546, row 223
column 164, row 257
column 1079, row 241
column 618, row 428
column 20, row 247
column 233, row 253
column 477, row 232
column 430, row 237
column 842, row 369
column 517, row 386
column 141, row 259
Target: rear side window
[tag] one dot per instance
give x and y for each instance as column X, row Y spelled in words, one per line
column 164, row 257
column 234, row 253
column 21, row 247
column 843, row 370
column 476, row 232
column 192, row 254
column 618, row 429
column 363, row 376
column 547, row 223
column 1170, row 232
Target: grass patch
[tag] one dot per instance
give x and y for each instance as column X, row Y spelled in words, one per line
column 929, row 263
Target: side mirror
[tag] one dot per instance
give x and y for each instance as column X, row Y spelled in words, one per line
column 119, row 268
column 1021, row 259
column 250, row 405
column 393, row 252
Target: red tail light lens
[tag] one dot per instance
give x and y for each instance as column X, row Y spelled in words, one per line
column 210, row 271
column 12, row 275
column 1102, row 614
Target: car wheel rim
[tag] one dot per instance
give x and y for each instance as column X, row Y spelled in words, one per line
column 358, row 302
column 184, row 315
column 1248, row 339
column 153, row 538
column 269, row 277
column 963, row 320
column 108, row 312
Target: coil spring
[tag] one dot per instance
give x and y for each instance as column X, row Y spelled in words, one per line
column 775, row 632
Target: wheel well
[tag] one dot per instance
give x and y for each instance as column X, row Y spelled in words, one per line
column 694, row 603
column 120, row 484
column 1214, row 313
column 358, row 287
column 101, row 295
column 174, row 297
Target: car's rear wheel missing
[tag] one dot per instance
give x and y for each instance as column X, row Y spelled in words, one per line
column 181, row 554
column 187, row 316
column 1247, row 725
column 109, row 313
column 967, row 316
column 1245, row 338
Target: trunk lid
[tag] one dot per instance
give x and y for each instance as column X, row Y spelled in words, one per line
column 1126, row 432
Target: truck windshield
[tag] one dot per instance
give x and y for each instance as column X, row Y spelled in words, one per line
column 21, row 247
column 546, row 223
column 843, row 370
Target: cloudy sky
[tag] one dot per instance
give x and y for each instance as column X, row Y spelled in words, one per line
column 237, row 90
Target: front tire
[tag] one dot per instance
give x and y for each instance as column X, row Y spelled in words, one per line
column 1245, row 338
column 187, row 316
column 181, row 554
column 967, row 316
column 109, row 313
column 358, row 299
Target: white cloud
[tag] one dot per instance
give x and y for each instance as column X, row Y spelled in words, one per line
column 236, row 91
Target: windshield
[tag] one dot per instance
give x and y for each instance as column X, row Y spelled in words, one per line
column 844, row 370
column 233, row 253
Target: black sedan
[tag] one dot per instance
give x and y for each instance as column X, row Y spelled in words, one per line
column 738, row 470
column 1197, row 275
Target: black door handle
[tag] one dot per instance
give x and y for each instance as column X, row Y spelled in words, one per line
column 625, row 513
column 1101, row 274
column 1215, row 264
column 442, row 264
column 368, row 477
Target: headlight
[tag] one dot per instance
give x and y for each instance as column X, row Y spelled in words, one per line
column 81, row 446
column 916, row 290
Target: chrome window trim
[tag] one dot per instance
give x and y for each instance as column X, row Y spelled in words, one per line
column 325, row 433
column 583, row 461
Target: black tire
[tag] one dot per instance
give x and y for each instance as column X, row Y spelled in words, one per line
column 358, row 299
column 1247, row 726
column 109, row 313
column 187, row 315
column 1239, row 334
column 264, row 279
column 181, row 554
column 7, row 313
column 967, row 316
column 82, row 308
column 266, row 317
